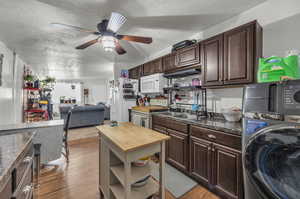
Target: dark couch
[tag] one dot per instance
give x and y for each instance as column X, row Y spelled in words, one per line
column 88, row 115
column 106, row 110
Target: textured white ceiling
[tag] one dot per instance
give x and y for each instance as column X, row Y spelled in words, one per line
column 50, row 50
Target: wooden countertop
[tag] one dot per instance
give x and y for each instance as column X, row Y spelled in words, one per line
column 149, row 108
column 129, row 137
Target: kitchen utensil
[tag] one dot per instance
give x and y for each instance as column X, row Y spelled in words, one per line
column 141, row 162
column 141, row 182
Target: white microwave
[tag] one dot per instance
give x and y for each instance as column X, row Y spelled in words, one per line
column 153, row 83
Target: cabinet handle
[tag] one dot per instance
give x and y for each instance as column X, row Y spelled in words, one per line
column 27, row 160
column 211, row 136
column 27, row 189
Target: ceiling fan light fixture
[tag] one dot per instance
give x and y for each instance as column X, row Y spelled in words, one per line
column 109, row 43
column 116, row 21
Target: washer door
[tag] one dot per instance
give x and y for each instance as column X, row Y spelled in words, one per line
column 272, row 162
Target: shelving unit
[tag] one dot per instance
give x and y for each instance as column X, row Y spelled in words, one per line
column 118, row 149
column 31, row 112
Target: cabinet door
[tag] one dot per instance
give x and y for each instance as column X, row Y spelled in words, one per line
column 188, row 56
column 200, row 159
column 136, row 119
column 153, row 67
column 239, row 55
column 169, row 62
column 135, row 73
column 147, row 69
column 157, row 66
column 178, row 150
column 227, row 171
column 163, row 130
column 212, row 61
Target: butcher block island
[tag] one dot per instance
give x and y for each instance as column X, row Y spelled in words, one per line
column 121, row 147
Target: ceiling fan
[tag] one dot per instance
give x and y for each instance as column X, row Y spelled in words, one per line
column 107, row 34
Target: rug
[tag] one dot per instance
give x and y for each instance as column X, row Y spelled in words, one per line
column 176, row 182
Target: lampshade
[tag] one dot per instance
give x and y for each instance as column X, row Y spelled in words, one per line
column 108, row 42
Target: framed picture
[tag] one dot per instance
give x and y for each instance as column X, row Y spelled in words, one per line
column 1, row 65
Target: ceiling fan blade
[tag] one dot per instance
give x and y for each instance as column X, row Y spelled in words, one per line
column 116, row 21
column 60, row 25
column 146, row 40
column 87, row 44
column 119, row 49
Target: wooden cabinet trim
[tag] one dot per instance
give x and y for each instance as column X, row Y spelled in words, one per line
column 169, row 62
column 245, row 55
column 185, row 154
column 188, row 56
column 218, row 79
column 194, row 141
column 237, row 185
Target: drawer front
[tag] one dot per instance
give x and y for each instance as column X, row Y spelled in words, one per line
column 217, row 137
column 157, row 120
column 23, row 164
column 177, row 125
column 25, row 188
column 159, row 128
column 5, row 193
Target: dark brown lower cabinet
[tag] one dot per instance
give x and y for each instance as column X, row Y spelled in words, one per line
column 213, row 158
column 163, row 130
column 200, row 159
column 178, row 150
column 227, row 172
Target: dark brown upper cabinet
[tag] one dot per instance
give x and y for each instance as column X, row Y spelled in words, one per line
column 136, row 72
column 232, row 58
column 153, row 67
column 169, row 62
column 188, row 56
column 212, row 61
column 239, row 51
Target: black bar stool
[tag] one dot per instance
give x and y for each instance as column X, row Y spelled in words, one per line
column 65, row 151
column 37, row 159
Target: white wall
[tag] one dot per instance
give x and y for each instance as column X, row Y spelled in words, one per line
column 11, row 89
column 98, row 90
column 64, row 89
column 224, row 98
column 282, row 36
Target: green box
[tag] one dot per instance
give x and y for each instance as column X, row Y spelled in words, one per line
column 277, row 68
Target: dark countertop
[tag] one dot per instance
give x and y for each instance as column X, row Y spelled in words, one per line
column 11, row 147
column 234, row 128
column 31, row 125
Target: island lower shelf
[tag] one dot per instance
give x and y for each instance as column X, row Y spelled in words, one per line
column 136, row 193
column 136, row 173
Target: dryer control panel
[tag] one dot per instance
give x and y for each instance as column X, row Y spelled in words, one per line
column 291, row 98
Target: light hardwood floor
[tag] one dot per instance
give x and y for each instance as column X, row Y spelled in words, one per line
column 79, row 179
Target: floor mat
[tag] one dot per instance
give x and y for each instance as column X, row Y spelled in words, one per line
column 176, row 182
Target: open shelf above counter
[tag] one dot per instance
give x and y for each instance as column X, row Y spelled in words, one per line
column 184, row 88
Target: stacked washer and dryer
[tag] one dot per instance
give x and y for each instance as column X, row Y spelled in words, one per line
column 271, row 147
